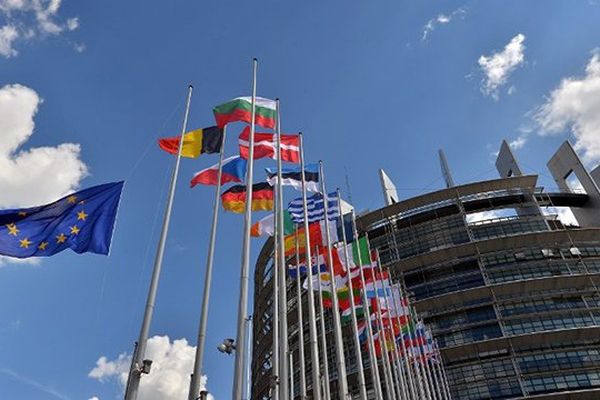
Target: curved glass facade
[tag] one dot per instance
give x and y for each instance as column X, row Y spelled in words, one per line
column 512, row 300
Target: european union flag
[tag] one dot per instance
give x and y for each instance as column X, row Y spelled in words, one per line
column 82, row 221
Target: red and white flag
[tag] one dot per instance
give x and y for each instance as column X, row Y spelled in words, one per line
column 265, row 146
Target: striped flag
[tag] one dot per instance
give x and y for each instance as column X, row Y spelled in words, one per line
column 292, row 176
column 265, row 146
column 316, row 209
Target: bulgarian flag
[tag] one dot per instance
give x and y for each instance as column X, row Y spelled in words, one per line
column 240, row 109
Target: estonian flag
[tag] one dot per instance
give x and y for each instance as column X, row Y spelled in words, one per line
column 292, row 176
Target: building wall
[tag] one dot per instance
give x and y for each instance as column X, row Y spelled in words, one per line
column 511, row 294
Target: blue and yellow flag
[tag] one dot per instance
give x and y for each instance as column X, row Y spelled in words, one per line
column 82, row 221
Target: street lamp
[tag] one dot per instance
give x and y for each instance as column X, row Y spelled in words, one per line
column 227, row 346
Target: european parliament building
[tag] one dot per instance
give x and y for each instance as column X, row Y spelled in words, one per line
column 510, row 292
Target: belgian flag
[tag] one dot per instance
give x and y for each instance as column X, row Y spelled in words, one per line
column 199, row 141
column 234, row 198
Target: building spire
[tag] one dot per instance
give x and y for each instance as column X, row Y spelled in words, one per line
column 445, row 169
column 506, row 163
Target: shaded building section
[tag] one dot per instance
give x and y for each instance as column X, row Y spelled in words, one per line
column 510, row 293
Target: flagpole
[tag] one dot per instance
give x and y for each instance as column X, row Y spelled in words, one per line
column 423, row 365
column 337, row 323
column 276, row 378
column 326, row 389
column 300, row 324
column 138, row 365
column 403, row 392
column 409, row 371
column 443, row 370
column 435, row 387
column 418, row 371
column 383, row 342
column 245, row 267
column 358, row 354
column 248, row 321
column 374, row 364
column 283, row 324
column 197, row 372
column 314, row 350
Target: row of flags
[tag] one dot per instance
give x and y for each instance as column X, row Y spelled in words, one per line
column 84, row 222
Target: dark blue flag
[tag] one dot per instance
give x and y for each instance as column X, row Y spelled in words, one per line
column 82, row 221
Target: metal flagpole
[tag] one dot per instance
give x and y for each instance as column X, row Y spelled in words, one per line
column 398, row 304
column 276, row 378
column 418, row 371
column 283, row 324
column 409, row 372
column 442, row 370
column 314, row 350
column 425, row 363
column 326, row 389
column 291, row 361
column 300, row 324
column 248, row 322
column 387, row 370
column 358, row 354
column 435, row 378
column 245, row 267
column 435, row 387
column 374, row 364
column 337, row 323
column 391, row 393
column 402, row 392
column 420, row 364
column 197, row 372
column 140, row 366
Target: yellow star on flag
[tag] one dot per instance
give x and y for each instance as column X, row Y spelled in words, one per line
column 25, row 243
column 61, row 238
column 72, row 199
column 74, row 230
column 12, row 229
column 22, row 214
column 43, row 245
column 81, row 216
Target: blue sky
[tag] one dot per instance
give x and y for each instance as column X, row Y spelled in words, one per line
column 371, row 84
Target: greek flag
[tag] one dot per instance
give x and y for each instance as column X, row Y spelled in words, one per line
column 316, row 209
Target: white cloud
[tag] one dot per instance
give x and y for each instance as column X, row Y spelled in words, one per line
column 94, row 398
column 441, row 19
column 29, row 19
column 518, row 143
column 37, row 175
column 4, row 260
column 575, row 106
column 498, row 66
column 169, row 378
column 8, row 35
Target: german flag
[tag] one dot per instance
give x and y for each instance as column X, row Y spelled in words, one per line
column 234, row 198
column 199, row 141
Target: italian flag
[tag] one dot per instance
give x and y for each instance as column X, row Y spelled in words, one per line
column 240, row 109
